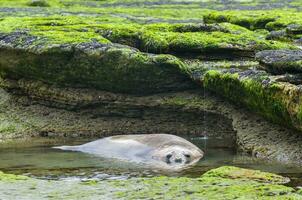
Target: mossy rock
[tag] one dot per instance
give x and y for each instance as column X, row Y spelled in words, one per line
column 185, row 39
column 262, row 93
column 237, row 173
column 109, row 67
column 11, row 177
column 208, row 186
column 281, row 61
column 180, row 39
column 38, row 3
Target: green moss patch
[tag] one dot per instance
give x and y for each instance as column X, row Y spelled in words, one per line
column 183, row 40
column 156, row 38
column 208, row 186
column 108, row 67
column 237, row 173
column 10, row 177
column 277, row 101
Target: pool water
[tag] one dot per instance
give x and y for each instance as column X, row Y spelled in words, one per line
column 37, row 159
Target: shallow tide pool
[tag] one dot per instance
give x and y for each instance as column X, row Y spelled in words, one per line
column 37, row 159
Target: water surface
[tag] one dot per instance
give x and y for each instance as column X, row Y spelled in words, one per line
column 36, row 158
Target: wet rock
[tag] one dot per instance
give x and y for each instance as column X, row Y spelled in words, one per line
column 237, row 173
column 61, row 112
column 110, row 67
column 192, row 40
column 278, row 35
column 220, row 183
column 291, row 33
column 59, row 66
column 295, row 79
column 38, row 3
column 294, row 29
column 277, row 101
column 201, row 28
column 281, row 61
column 299, row 42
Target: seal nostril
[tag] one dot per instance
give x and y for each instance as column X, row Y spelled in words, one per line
column 179, row 160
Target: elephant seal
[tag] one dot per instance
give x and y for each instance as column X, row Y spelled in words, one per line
column 157, row 150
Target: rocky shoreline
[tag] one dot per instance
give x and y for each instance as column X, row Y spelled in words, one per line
column 220, row 183
column 114, row 78
column 99, row 68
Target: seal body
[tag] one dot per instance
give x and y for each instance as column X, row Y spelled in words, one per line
column 159, row 150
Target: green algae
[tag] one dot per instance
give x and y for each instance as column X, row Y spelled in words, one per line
column 56, row 29
column 249, row 91
column 107, row 67
column 274, row 20
column 237, row 173
column 251, row 19
column 39, row 3
column 164, row 38
column 209, row 186
column 40, row 38
column 58, row 38
column 215, row 4
column 271, row 20
column 273, row 100
column 10, row 177
column 30, row 3
column 157, row 38
column 248, row 19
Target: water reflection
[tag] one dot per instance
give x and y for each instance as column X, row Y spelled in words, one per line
column 41, row 161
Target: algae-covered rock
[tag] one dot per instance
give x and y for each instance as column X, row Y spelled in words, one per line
column 281, row 61
column 110, row 67
column 196, row 40
column 237, row 173
column 11, row 177
column 39, row 3
column 294, row 29
column 32, row 108
column 208, row 186
column 64, row 54
column 260, row 92
column 278, row 35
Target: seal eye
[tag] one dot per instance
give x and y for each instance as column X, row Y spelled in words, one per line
column 187, row 156
column 169, row 156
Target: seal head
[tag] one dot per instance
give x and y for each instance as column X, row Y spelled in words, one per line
column 178, row 156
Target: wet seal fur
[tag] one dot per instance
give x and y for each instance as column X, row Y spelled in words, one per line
column 156, row 150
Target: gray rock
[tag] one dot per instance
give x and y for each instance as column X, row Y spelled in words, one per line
column 281, row 61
